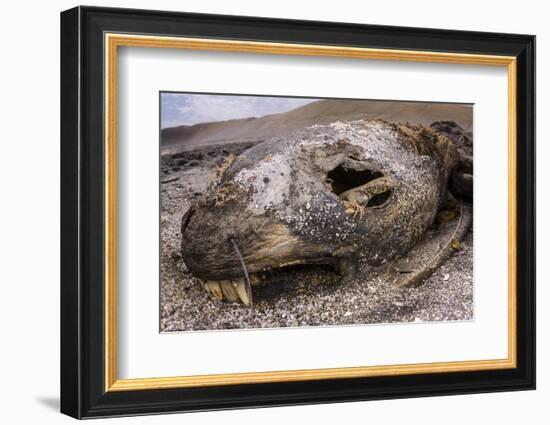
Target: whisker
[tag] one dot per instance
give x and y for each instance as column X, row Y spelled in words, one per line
column 247, row 278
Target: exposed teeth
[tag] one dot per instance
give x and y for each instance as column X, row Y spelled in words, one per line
column 240, row 287
column 214, row 288
column 229, row 291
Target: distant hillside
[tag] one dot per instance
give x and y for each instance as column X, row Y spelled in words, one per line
column 319, row 112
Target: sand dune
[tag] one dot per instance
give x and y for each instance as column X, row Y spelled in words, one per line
column 320, row 112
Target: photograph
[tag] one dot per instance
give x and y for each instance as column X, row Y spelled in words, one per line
column 262, row 211
column 281, row 212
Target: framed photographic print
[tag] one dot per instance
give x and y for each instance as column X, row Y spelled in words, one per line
column 261, row 212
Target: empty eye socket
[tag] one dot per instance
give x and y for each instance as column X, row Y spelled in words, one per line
column 342, row 178
column 360, row 188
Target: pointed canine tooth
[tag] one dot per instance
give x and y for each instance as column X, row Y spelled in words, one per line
column 240, row 287
column 229, row 291
column 214, row 288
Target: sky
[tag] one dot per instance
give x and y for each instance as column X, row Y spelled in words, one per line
column 188, row 109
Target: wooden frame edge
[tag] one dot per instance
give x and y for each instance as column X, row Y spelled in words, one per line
column 137, row 384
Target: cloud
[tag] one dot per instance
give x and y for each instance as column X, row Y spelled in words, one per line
column 188, row 109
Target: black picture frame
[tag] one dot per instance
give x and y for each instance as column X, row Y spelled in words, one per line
column 83, row 392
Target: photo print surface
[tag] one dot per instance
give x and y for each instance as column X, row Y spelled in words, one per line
column 297, row 212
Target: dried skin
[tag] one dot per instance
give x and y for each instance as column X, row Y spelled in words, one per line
column 307, row 199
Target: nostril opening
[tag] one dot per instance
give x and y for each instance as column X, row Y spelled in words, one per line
column 379, row 199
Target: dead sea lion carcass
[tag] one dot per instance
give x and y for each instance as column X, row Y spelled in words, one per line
column 348, row 193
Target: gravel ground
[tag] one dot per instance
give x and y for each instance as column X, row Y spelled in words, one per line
column 311, row 297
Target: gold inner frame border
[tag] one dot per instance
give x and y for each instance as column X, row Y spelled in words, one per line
column 111, row 43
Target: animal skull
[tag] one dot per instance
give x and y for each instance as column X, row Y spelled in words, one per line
column 335, row 195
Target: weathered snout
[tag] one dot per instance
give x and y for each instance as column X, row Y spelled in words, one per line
column 209, row 242
column 229, row 248
column 211, row 252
